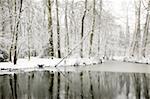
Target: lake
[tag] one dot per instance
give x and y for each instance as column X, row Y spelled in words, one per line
column 76, row 84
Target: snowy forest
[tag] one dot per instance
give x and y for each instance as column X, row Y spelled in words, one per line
column 74, row 49
column 74, row 28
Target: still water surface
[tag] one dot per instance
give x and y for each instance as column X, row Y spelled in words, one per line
column 84, row 84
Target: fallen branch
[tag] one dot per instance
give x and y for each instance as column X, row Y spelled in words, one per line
column 73, row 49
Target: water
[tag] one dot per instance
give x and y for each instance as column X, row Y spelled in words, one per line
column 83, row 84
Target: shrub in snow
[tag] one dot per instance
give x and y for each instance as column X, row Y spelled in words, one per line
column 76, row 64
column 100, row 61
column 84, row 63
column 3, row 55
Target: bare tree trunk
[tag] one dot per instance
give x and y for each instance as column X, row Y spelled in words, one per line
column 82, row 28
column 29, row 30
column 146, row 31
column 16, row 33
column 99, row 27
column 72, row 26
column 11, row 29
column 50, row 30
column 93, row 28
column 135, row 47
column 58, row 30
column 127, row 34
column 2, row 16
column 66, row 26
column 29, row 52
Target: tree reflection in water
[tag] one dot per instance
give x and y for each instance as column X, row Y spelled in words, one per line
column 81, row 85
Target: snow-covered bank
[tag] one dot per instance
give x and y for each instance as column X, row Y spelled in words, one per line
column 132, row 59
column 35, row 62
column 118, row 58
column 135, row 60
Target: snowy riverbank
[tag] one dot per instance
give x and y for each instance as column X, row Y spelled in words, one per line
column 35, row 62
column 132, row 60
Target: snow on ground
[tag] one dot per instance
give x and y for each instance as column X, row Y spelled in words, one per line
column 118, row 58
column 132, row 59
column 109, row 66
column 135, row 60
column 35, row 62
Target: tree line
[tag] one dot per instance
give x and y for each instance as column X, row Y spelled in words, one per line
column 52, row 28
